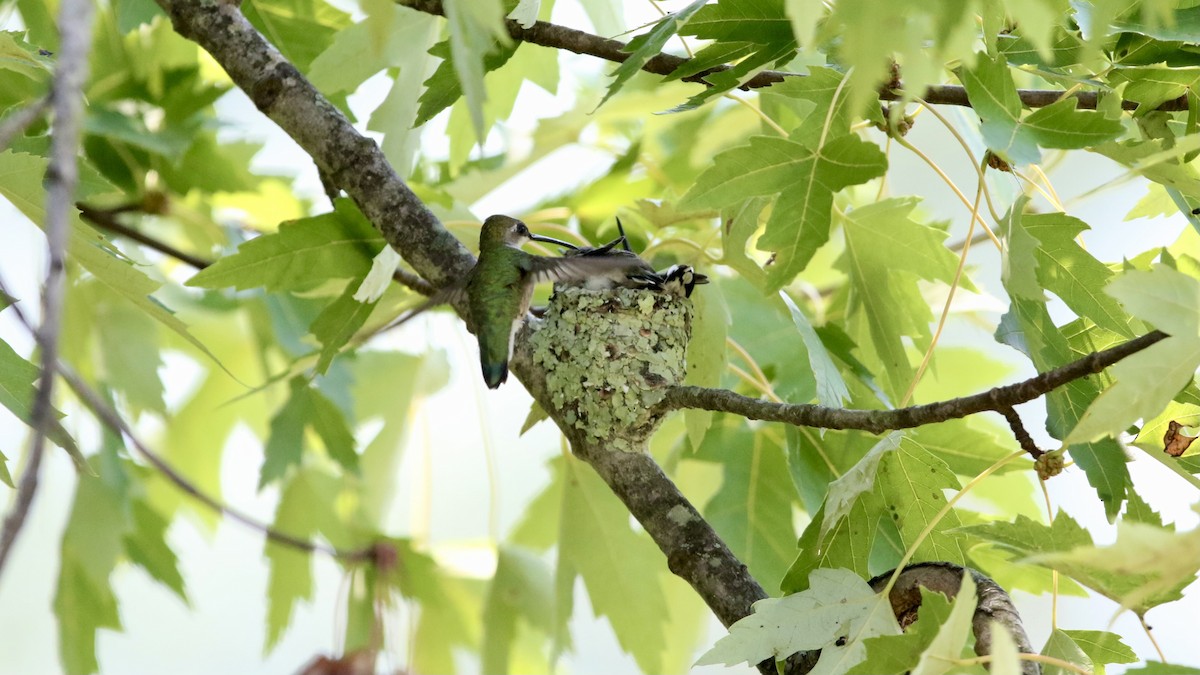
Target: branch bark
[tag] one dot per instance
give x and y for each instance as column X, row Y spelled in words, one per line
column 579, row 42
column 66, row 97
column 878, row 421
column 992, row 603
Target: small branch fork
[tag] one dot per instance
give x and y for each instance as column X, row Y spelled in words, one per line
column 879, row 421
column 579, row 42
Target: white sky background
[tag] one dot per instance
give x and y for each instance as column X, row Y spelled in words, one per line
column 226, row 573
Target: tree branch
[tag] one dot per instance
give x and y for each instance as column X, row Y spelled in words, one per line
column 62, row 174
column 992, row 603
column 358, row 166
column 579, row 42
column 878, row 421
column 352, row 161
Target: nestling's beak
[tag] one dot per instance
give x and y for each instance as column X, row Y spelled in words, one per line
column 552, row 240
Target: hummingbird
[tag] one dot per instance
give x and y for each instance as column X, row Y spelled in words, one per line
column 498, row 288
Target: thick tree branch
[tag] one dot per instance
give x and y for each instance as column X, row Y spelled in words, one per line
column 352, row 161
column 878, row 421
column 992, row 603
column 66, row 98
column 579, row 42
column 358, row 166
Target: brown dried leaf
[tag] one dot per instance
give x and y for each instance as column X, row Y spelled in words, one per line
column 1175, row 442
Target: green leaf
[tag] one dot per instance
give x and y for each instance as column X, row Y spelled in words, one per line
column 752, row 510
column 91, row 547
column 299, row 29
column 968, row 449
column 146, row 545
column 305, row 508
column 130, row 352
column 1151, row 86
column 900, row 653
column 1060, row 646
column 1157, row 668
column 1060, row 125
column 1145, row 382
column 992, row 93
column 1146, row 566
column 1068, row 548
column 444, row 86
column 836, row 614
column 831, row 388
column 947, row 646
column 706, row 355
column 1102, row 648
column 285, row 444
column 303, row 254
column 886, row 253
column 20, row 183
column 1070, row 272
column 19, row 56
column 337, row 323
column 642, row 48
column 615, row 562
column 520, row 593
column 1028, row 328
column 1164, row 298
column 876, row 510
column 806, row 179
column 1157, row 161
column 17, row 388
column 5, row 476
column 396, row 117
column 305, row 407
column 475, row 26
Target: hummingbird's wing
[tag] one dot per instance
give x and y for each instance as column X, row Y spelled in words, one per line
column 576, row 268
column 452, row 294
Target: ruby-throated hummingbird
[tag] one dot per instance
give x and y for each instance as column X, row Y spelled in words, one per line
column 498, row 289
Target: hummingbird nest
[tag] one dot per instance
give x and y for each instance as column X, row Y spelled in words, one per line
column 609, row 356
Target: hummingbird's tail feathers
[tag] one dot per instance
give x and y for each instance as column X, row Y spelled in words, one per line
column 682, row 279
column 495, row 374
column 622, row 238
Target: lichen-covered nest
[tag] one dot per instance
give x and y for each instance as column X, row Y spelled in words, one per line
column 609, row 356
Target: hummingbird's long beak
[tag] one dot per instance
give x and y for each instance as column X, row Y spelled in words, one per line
column 552, row 240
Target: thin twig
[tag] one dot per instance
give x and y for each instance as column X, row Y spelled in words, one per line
column 1020, row 433
column 579, row 42
column 878, row 421
column 75, row 27
column 106, row 219
column 20, row 120
column 109, row 418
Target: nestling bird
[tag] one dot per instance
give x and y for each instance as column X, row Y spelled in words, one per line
column 634, row 272
column 499, row 287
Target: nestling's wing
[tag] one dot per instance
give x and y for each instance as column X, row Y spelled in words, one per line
column 450, row 294
column 577, row 268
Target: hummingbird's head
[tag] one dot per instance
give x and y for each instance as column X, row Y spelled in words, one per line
column 506, row 231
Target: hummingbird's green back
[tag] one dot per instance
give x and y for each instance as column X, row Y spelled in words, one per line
column 498, row 293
